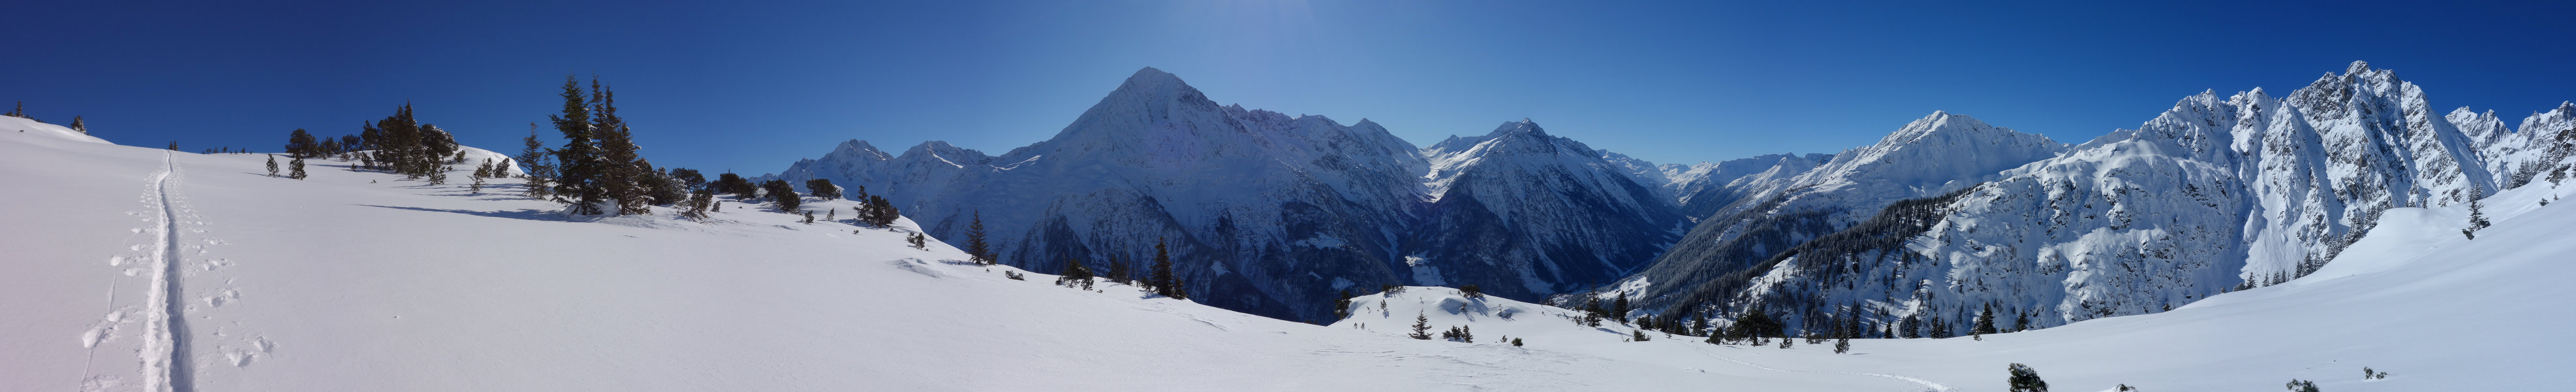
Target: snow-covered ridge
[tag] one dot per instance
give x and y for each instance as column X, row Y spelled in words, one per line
column 25, row 126
column 1276, row 212
column 2216, row 193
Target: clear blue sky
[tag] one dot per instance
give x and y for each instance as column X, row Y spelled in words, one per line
column 725, row 85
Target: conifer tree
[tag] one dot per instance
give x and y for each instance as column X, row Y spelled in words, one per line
column 1421, row 327
column 809, row 217
column 980, row 251
column 783, row 195
column 300, row 144
column 919, row 241
column 1842, row 345
column 272, row 165
column 295, row 169
column 1911, row 327
column 538, row 171
column 830, row 215
column 2477, row 219
column 478, row 185
column 2024, row 379
column 579, row 179
column 1074, row 275
column 1516, row 342
column 78, row 126
column 622, row 173
column 174, row 145
column 2021, row 321
column 698, row 202
column 1118, row 271
column 1342, row 305
column 1165, row 281
column 823, row 188
column 1637, row 335
column 1985, row 322
column 1619, row 308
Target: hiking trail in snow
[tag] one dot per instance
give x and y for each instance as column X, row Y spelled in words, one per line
column 164, row 346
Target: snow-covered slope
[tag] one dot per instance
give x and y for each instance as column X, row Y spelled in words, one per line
column 1527, row 214
column 2385, row 304
column 1772, row 211
column 1272, row 214
column 25, row 126
column 2212, row 195
column 139, row 269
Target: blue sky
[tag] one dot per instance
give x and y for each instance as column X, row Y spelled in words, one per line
column 753, row 87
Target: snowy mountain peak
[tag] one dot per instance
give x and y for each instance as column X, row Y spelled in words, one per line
column 860, row 148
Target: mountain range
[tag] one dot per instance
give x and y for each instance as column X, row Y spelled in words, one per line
column 1281, row 216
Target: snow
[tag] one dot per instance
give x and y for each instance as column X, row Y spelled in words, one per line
column 145, row 269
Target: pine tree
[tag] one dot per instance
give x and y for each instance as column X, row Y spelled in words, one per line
column 2024, row 379
column 1842, row 345
column 1985, row 322
column 783, row 195
column 174, row 145
column 1118, row 271
column 538, row 171
column 2295, row 385
column 300, row 144
column 809, row 217
column 1165, row 282
column 295, row 169
column 1911, row 326
column 1516, row 342
column 1471, row 291
column 2477, row 219
column 622, row 171
column 1637, row 335
column 580, row 177
column 1074, row 275
column 78, row 126
column 478, row 185
column 921, row 242
column 2021, row 321
column 1421, row 327
column 823, row 188
column 272, row 165
column 830, row 215
column 698, row 203
column 1619, row 308
column 980, row 251
column 1342, row 304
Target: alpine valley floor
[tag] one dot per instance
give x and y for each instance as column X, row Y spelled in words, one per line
column 127, row 268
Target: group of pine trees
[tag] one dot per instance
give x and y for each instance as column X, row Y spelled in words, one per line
column 1158, row 277
column 599, row 169
column 20, row 111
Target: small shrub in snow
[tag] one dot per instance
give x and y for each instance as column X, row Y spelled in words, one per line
column 296, row 169
column 1421, row 327
column 1013, row 275
column 2024, row 379
column 2297, row 385
column 1471, row 291
column 1516, row 342
column 272, row 165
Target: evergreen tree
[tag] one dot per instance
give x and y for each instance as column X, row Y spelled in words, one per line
column 976, row 247
column 783, row 195
column 823, row 188
column 1842, row 345
column 740, row 188
column 1342, row 305
column 174, row 145
column 2295, row 385
column 1165, row 281
column 698, row 203
column 622, row 172
column 2477, row 219
column 538, row 171
column 478, row 185
column 1619, row 308
column 1421, row 327
column 829, row 215
column 272, row 165
column 579, row 178
column 295, row 169
column 1471, row 291
column 1786, row 342
column 881, row 212
column 1911, row 327
column 1118, row 271
column 78, row 126
column 1074, row 275
column 300, row 144
column 809, row 217
column 2021, row 321
column 1637, row 335
column 919, row 241
column 1516, row 342
column 1985, row 321
column 2024, row 379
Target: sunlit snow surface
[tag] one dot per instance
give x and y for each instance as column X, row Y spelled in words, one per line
column 355, row 281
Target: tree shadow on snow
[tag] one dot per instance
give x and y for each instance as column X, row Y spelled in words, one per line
column 528, row 214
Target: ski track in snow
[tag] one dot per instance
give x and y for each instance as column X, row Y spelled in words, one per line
column 164, row 348
column 1934, row 386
